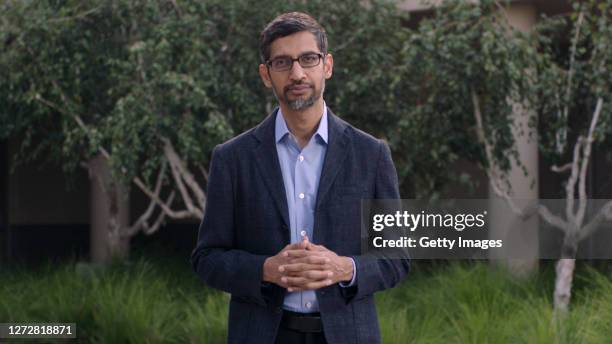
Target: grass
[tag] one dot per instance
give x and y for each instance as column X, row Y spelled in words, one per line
column 136, row 303
column 163, row 302
column 474, row 303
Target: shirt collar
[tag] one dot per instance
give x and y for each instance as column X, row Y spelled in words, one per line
column 281, row 129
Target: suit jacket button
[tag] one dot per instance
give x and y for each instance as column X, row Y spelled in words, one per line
column 322, row 292
column 278, row 310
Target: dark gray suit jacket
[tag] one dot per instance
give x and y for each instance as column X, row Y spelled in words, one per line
column 246, row 221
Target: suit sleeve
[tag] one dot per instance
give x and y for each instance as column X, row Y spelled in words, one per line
column 214, row 259
column 375, row 272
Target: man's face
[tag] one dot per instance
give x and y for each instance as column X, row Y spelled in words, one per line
column 299, row 88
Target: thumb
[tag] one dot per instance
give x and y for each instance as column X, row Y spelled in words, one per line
column 307, row 244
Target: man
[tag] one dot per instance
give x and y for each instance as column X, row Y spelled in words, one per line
column 282, row 227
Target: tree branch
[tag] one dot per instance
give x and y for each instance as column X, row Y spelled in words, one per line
column 187, row 176
column 494, row 179
column 554, row 220
column 586, row 156
column 181, row 214
column 570, row 73
column 176, row 174
column 561, row 169
column 152, row 195
column 160, row 218
column 604, row 213
column 142, row 220
column 204, row 173
column 571, row 182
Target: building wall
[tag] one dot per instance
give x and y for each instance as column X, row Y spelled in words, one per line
column 47, row 212
column 42, row 194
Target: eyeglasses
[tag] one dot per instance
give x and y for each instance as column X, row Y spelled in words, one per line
column 285, row 63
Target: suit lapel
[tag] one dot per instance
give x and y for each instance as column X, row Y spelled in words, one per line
column 269, row 165
column 334, row 159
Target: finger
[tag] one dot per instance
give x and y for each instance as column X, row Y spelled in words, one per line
column 314, row 275
column 299, row 267
column 314, row 247
column 302, row 245
column 293, row 283
column 314, row 263
column 308, row 244
column 297, row 253
column 311, row 247
column 319, row 247
column 312, row 260
column 295, row 246
column 313, row 285
column 319, row 269
column 306, row 277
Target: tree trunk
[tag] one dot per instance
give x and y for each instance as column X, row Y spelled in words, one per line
column 109, row 213
column 563, row 283
column 522, row 236
column 565, row 271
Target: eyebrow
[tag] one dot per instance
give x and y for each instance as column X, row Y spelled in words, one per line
column 304, row 53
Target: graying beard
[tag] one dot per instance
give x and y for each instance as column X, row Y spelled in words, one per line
column 301, row 104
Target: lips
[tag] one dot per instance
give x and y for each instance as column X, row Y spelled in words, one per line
column 298, row 89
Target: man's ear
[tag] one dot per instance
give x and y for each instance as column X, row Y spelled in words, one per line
column 265, row 76
column 328, row 65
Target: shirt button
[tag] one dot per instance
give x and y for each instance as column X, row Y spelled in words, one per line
column 308, row 304
column 301, row 195
column 303, row 233
column 301, row 158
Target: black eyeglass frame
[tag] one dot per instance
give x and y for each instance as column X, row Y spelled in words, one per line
column 320, row 55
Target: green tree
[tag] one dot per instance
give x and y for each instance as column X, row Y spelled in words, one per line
column 576, row 114
column 123, row 81
column 462, row 53
column 466, row 68
column 147, row 88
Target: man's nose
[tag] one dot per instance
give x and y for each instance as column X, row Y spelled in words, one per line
column 297, row 72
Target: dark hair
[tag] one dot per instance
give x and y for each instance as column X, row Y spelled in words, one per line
column 287, row 24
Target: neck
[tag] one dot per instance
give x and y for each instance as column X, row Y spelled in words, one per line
column 303, row 123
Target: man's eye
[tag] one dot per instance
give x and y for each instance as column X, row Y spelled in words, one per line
column 309, row 58
column 280, row 62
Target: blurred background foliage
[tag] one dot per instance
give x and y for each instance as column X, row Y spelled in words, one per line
column 137, row 71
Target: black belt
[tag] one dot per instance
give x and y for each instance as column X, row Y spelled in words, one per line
column 302, row 322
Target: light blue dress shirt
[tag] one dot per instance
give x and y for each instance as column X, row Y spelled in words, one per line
column 301, row 170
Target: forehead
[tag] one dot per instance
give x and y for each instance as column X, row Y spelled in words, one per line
column 294, row 45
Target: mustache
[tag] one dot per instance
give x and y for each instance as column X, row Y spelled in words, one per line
column 293, row 85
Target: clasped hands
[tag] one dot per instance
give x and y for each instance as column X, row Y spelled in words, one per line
column 306, row 266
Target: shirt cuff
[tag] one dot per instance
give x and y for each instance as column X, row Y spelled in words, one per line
column 352, row 282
